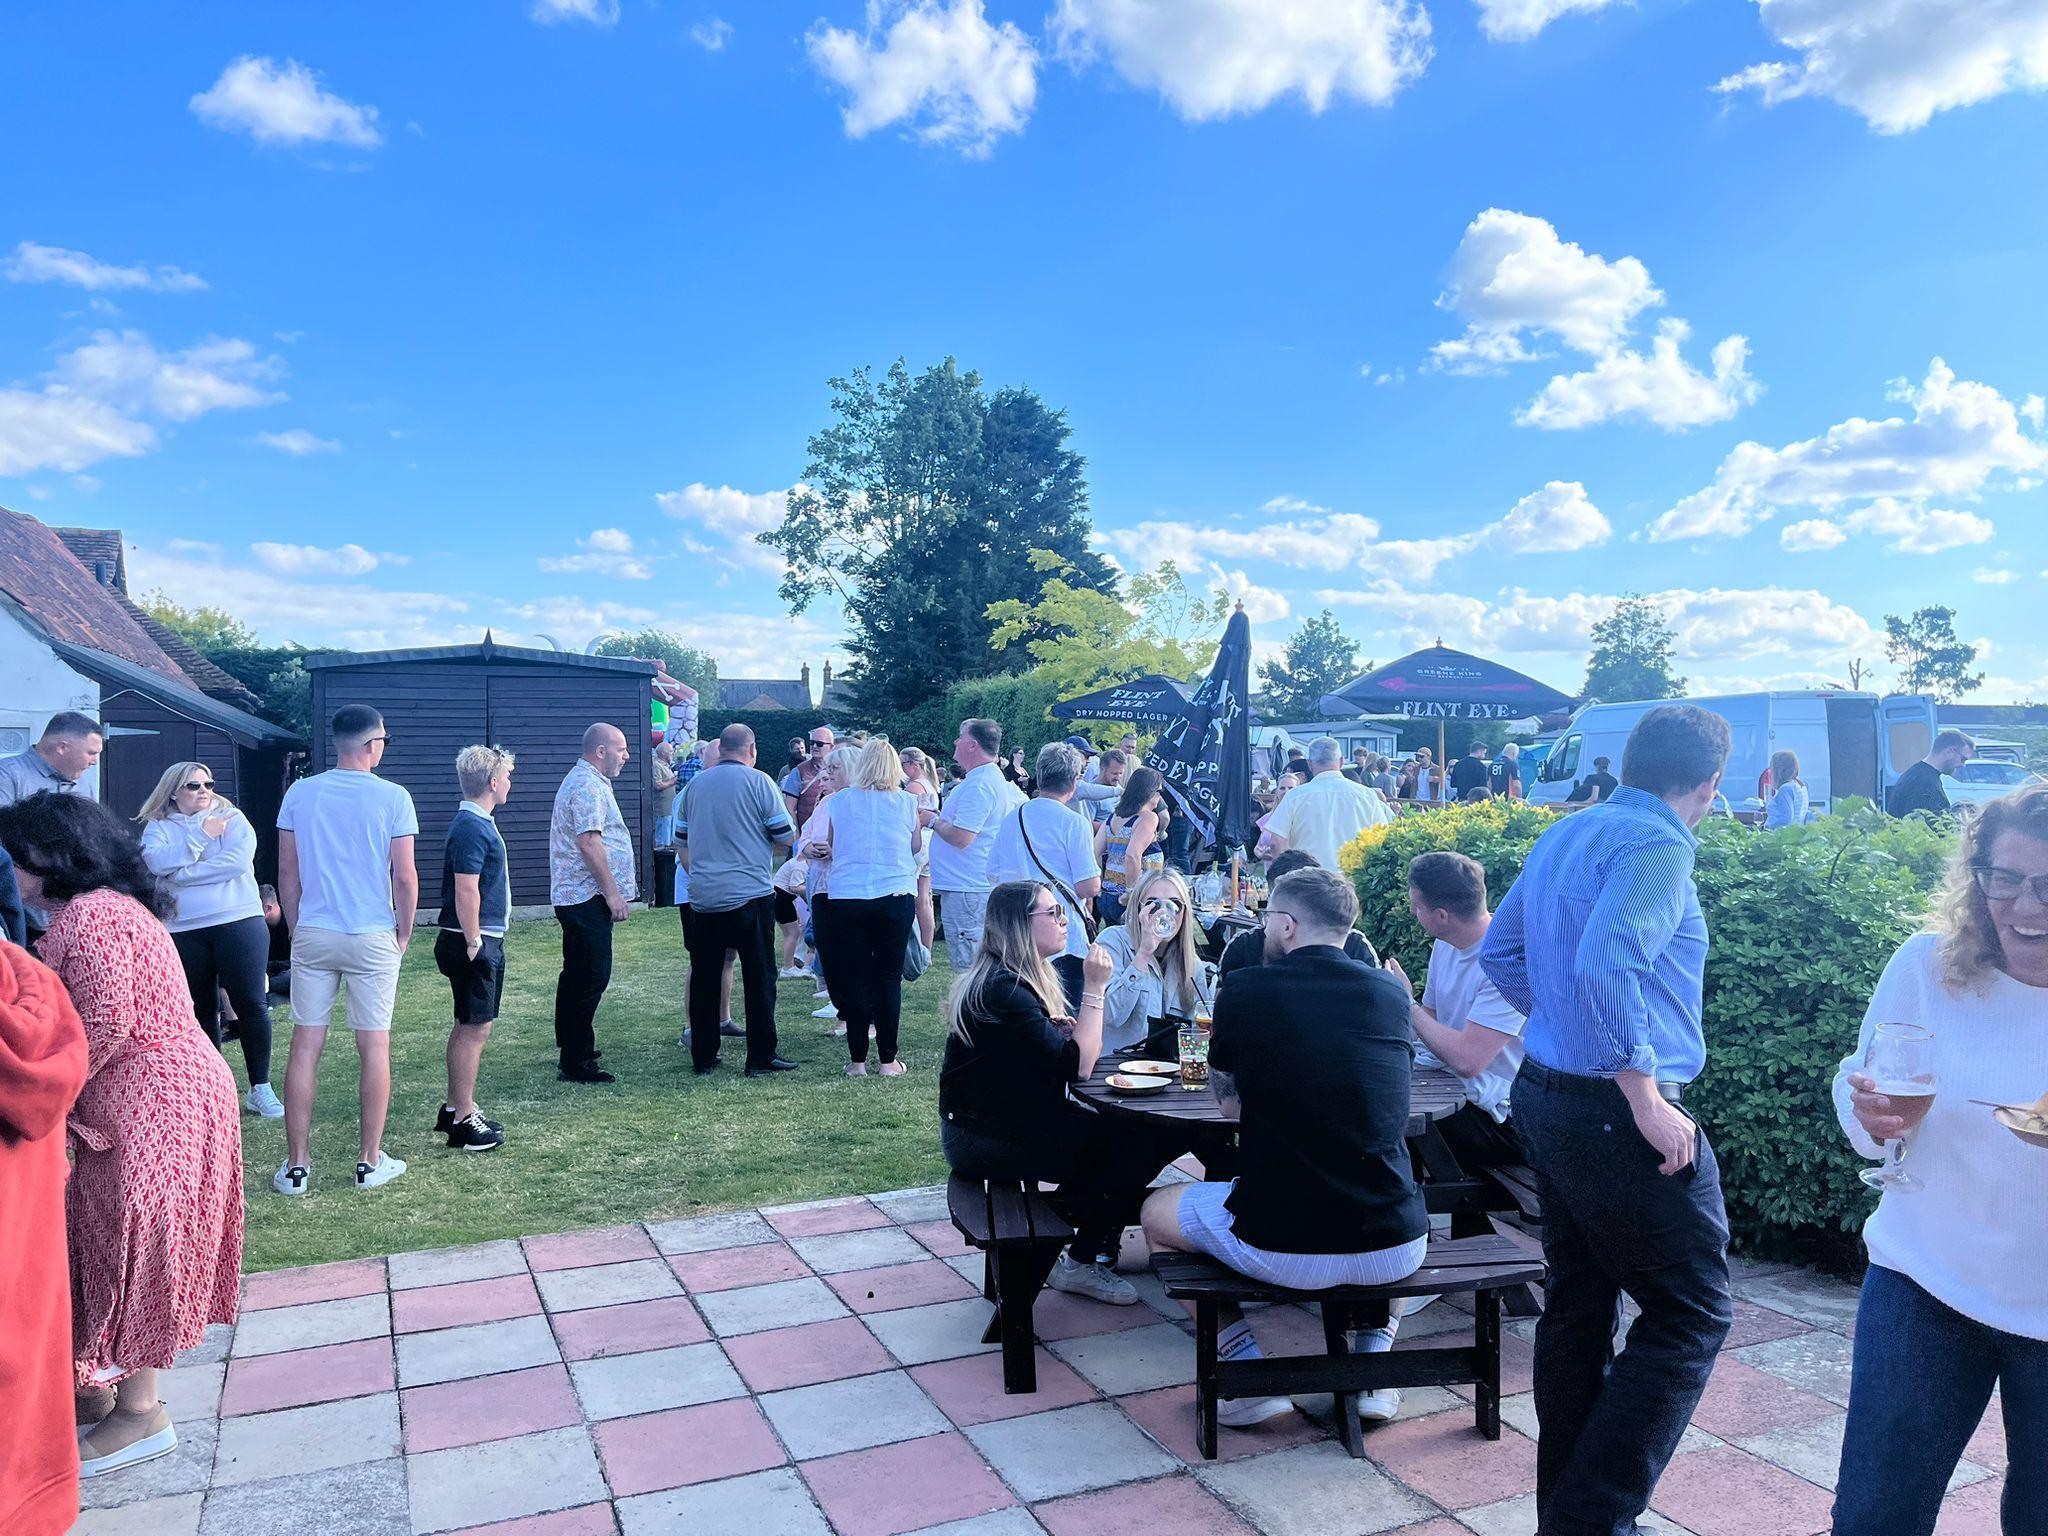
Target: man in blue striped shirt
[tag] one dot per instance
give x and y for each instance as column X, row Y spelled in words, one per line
column 1601, row 943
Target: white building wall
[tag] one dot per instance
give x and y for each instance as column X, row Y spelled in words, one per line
column 36, row 683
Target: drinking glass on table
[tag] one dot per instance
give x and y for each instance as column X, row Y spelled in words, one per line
column 1900, row 1065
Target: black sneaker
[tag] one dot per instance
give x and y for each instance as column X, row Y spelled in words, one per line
column 775, row 1064
column 589, row 1072
column 473, row 1133
column 445, row 1121
column 731, row 1031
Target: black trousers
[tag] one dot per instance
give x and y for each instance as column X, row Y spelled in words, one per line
column 1103, row 1165
column 1477, row 1140
column 861, row 943
column 749, row 932
column 586, row 972
column 231, row 957
column 1613, row 1225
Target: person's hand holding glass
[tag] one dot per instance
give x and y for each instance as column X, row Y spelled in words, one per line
column 1892, row 1095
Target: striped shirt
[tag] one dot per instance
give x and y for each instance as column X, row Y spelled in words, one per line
column 1601, row 942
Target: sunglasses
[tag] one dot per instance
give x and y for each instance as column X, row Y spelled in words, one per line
column 198, row 784
column 821, row 746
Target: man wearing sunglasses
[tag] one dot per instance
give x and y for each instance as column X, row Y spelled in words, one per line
column 802, row 786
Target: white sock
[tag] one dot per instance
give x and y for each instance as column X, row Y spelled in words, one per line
column 1238, row 1342
column 1375, row 1341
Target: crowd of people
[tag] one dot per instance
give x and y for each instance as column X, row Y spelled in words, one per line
column 1571, row 1015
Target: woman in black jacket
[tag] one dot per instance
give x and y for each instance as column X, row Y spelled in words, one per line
column 1003, row 1105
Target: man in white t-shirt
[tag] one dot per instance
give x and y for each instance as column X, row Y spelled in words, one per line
column 350, row 891
column 963, row 829
column 1327, row 812
column 1462, row 1022
column 1044, row 840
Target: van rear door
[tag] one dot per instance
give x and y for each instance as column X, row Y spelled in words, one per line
column 1905, row 732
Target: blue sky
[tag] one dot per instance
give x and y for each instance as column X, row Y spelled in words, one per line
column 379, row 324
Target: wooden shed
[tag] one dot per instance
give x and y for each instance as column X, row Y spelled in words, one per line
column 439, row 699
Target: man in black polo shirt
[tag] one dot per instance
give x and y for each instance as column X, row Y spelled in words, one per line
column 1320, row 1052
column 1919, row 787
column 1470, row 771
column 476, row 904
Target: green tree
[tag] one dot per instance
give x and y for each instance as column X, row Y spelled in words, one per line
column 1077, row 637
column 686, row 663
column 276, row 674
column 1929, row 657
column 920, row 506
column 1319, row 659
column 1632, row 654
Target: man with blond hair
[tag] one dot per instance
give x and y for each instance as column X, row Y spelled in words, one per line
column 476, row 905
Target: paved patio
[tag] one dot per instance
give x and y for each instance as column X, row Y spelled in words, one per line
column 818, row 1368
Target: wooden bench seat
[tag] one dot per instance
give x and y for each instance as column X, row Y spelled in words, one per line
column 1020, row 1236
column 1485, row 1266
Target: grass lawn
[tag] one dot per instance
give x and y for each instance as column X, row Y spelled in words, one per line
column 657, row 1144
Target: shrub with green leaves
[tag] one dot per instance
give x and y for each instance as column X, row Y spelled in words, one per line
column 1802, row 921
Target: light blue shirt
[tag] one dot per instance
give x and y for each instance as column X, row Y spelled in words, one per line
column 1788, row 806
column 1602, row 944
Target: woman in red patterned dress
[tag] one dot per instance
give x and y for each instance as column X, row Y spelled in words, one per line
column 154, row 1211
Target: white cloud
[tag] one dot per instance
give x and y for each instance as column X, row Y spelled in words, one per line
column 126, row 371
column 284, row 606
column 1516, row 21
column 1813, row 533
column 1899, row 62
column 1916, row 530
column 32, row 263
column 712, row 35
column 606, row 552
column 732, row 517
column 1262, row 605
column 1985, row 576
column 600, row 13
column 937, row 66
column 1660, row 386
column 1963, row 439
column 1516, row 285
column 312, row 560
column 1558, row 519
column 298, row 442
column 1217, row 58
column 57, row 429
column 284, row 104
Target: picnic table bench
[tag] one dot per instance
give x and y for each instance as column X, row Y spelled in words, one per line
column 1020, row 1236
column 1483, row 1266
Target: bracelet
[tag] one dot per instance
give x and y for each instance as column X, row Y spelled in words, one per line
column 1091, row 997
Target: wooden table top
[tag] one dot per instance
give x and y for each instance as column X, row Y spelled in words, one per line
column 1434, row 1095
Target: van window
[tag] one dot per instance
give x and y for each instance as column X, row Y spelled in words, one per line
column 1563, row 761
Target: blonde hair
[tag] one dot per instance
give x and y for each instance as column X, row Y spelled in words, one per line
column 476, row 766
column 1784, row 768
column 878, row 767
column 1007, row 944
column 844, row 761
column 1182, row 963
column 162, row 801
column 1970, row 950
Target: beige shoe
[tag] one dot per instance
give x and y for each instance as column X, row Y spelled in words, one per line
column 93, row 1404
column 123, row 1439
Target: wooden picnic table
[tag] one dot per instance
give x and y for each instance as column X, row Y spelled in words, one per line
column 1434, row 1095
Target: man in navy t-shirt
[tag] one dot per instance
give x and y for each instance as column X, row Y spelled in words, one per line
column 476, row 904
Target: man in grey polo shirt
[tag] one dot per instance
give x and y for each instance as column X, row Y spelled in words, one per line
column 734, row 823
column 70, row 745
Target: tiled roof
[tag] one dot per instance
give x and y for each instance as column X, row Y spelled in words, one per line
column 747, row 692
column 60, row 596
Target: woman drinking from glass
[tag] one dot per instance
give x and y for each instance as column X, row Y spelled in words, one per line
column 1157, row 969
column 1955, row 1301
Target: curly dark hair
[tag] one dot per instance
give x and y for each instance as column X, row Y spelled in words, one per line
column 77, row 845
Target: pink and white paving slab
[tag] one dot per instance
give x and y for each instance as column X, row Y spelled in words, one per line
column 816, row 1369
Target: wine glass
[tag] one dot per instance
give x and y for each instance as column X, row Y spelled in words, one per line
column 1900, row 1062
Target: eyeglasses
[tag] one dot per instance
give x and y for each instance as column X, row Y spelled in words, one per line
column 198, row 784
column 2006, row 884
column 821, row 746
column 1057, row 914
column 376, row 740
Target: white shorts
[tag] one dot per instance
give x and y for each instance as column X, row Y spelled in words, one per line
column 1206, row 1222
column 323, row 959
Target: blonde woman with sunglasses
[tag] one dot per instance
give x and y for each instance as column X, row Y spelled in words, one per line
column 203, row 851
column 1158, row 970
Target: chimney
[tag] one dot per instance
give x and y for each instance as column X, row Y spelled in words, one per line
column 805, row 676
column 103, row 572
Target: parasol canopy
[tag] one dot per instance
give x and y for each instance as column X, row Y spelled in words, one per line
column 1442, row 684
column 1153, row 699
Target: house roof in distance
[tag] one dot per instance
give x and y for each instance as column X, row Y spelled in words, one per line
column 763, row 693
column 61, row 596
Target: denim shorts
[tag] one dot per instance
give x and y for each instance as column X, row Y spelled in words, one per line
column 1206, row 1222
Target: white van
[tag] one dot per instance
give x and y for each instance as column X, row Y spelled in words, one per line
column 1847, row 743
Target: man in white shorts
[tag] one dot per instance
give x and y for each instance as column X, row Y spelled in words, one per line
column 350, row 891
column 1318, row 1048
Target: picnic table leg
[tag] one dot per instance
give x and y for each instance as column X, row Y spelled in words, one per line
column 1337, row 1342
column 1205, row 1377
column 1486, row 1339
column 1020, row 1277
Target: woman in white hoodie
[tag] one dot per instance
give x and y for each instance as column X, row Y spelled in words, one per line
column 204, row 852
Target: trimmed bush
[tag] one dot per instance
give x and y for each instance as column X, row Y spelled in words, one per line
column 1801, row 923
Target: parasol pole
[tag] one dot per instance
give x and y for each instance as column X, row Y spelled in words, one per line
column 1440, row 740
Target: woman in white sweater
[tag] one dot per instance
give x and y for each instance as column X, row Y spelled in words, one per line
column 1158, row 970
column 1955, row 1301
column 204, row 852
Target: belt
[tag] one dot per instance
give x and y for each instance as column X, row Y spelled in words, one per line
column 1671, row 1093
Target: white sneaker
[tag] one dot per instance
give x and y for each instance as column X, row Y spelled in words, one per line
column 385, row 1169
column 794, row 972
column 821, row 992
column 1378, row 1407
column 1243, row 1412
column 262, row 1100
column 1408, row 1306
column 826, row 1012
column 1096, row 1281
column 291, row 1178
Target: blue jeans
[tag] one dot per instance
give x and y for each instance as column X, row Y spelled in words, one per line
column 1613, row 1224
column 1923, row 1378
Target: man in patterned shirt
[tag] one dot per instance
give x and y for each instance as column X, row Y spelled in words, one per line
column 591, row 878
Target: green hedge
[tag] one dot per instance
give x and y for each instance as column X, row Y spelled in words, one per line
column 1801, row 921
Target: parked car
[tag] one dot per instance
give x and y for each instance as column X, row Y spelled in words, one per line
column 1982, row 779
